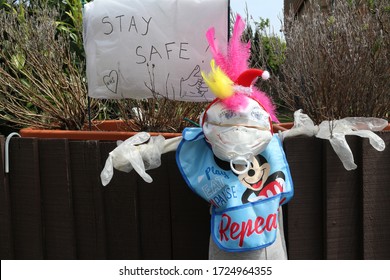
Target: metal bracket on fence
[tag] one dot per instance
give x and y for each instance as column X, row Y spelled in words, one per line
column 6, row 165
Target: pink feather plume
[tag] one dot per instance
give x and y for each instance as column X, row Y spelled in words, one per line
column 235, row 62
column 238, row 52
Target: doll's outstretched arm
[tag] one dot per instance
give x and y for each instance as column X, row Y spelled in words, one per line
column 139, row 152
column 336, row 130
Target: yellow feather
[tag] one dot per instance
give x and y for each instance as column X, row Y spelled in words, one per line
column 218, row 82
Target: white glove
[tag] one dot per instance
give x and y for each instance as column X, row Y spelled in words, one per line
column 135, row 153
column 335, row 132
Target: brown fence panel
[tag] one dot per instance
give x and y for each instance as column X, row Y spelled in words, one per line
column 154, row 212
column 88, row 200
column 121, row 212
column 343, row 208
column 53, row 206
column 304, row 215
column 6, row 242
column 57, row 200
column 376, row 196
column 25, row 194
column 190, row 217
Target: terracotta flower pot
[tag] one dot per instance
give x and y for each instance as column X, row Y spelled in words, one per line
column 105, row 130
column 282, row 126
column 112, row 130
column 289, row 125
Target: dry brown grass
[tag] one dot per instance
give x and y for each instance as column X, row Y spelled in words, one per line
column 159, row 114
column 338, row 63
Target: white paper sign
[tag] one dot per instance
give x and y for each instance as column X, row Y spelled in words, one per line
column 140, row 47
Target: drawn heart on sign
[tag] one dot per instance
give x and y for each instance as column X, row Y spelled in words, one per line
column 111, row 81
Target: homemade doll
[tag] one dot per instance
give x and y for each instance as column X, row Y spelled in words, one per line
column 243, row 172
column 233, row 160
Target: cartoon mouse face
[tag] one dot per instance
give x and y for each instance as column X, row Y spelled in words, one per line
column 257, row 174
column 259, row 183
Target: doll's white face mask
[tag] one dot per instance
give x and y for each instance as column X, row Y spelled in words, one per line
column 237, row 137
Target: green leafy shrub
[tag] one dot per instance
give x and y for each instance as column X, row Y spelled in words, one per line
column 41, row 83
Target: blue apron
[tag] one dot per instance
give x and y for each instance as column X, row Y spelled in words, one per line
column 244, row 207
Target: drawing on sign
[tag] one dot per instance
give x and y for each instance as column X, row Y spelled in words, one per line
column 151, row 86
column 193, row 85
column 111, row 81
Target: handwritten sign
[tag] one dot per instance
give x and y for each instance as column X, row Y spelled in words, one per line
column 139, row 48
